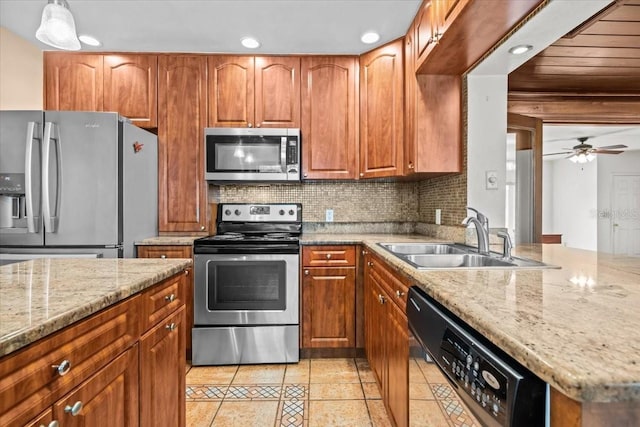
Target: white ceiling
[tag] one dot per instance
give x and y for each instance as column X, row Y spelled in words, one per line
column 216, row 26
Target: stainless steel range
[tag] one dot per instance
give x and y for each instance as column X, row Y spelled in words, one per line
column 246, row 292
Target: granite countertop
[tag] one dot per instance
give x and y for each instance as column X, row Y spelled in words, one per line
column 577, row 328
column 42, row 296
column 168, row 240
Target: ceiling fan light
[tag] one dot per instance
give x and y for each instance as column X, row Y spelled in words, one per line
column 574, row 158
column 590, row 157
column 57, row 27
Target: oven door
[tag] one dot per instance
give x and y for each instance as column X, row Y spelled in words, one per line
column 252, row 289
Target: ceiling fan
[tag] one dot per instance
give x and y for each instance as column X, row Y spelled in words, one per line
column 584, row 152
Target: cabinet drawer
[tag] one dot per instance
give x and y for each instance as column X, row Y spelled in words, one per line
column 162, row 300
column 164, row 251
column 396, row 286
column 29, row 379
column 328, row 256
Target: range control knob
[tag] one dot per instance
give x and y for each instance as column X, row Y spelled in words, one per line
column 227, row 212
column 290, row 211
column 469, row 359
column 237, row 212
column 281, row 212
column 496, row 408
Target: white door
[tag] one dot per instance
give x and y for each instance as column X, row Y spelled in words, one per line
column 625, row 218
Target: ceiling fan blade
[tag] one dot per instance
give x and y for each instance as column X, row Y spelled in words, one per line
column 561, row 152
column 611, row 147
column 607, row 151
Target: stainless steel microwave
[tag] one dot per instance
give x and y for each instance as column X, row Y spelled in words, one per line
column 252, row 154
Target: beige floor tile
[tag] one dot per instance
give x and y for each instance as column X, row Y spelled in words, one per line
column 420, row 391
column 371, row 391
column 415, row 373
column 431, row 372
column 297, row 373
column 259, row 374
column 200, row 414
column 426, row 413
column 211, row 374
column 333, row 371
column 335, row 391
column 378, row 413
column 366, row 374
column 348, row 413
column 246, row 414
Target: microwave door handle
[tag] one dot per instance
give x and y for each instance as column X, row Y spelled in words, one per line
column 283, row 153
column 32, row 225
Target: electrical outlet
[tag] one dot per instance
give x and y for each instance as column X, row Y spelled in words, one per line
column 328, row 215
column 491, row 180
column 438, row 216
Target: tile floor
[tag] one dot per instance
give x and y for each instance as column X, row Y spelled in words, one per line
column 314, row 393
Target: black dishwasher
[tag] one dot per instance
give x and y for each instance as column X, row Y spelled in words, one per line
column 497, row 389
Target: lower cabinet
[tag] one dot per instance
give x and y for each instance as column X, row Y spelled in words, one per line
column 387, row 337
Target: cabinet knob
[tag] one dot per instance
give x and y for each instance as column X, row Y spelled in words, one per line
column 53, row 423
column 306, row 272
column 163, row 256
column 328, row 256
column 75, row 409
column 170, row 298
column 361, row 174
column 63, row 368
column 171, row 327
column 381, row 299
column 186, row 272
column 202, row 227
column 399, row 293
column 364, row 252
column 258, row 125
column 410, row 165
column 370, row 264
column 249, row 125
column 305, row 175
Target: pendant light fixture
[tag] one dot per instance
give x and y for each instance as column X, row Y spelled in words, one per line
column 57, row 27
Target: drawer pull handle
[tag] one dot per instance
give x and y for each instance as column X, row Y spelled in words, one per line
column 381, row 299
column 370, row 264
column 63, row 368
column 171, row 327
column 75, row 409
column 306, row 272
column 163, row 256
column 53, row 423
column 170, row 298
column 328, row 256
column 399, row 294
column 186, row 272
column 364, row 252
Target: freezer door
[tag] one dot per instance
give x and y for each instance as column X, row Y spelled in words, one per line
column 80, row 178
column 20, row 178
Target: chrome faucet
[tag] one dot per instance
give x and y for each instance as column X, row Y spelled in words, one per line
column 481, row 223
column 508, row 244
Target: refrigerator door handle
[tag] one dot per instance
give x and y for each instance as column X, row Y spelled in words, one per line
column 32, row 224
column 50, row 220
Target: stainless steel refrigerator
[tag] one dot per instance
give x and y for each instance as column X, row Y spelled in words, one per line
column 76, row 184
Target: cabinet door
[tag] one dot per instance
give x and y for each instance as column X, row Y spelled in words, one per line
column 328, row 307
column 410, row 88
column 130, row 87
column 381, row 111
column 329, row 88
column 162, row 373
column 424, row 31
column 375, row 324
column 73, row 82
column 110, row 396
column 277, row 92
column 182, row 116
column 231, row 91
column 397, row 356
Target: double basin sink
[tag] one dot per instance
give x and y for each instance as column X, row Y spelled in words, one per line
column 426, row 256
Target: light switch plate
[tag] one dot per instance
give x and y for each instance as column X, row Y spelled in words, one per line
column 491, row 180
column 328, row 215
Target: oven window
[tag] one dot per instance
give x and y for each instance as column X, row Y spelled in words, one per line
column 246, row 285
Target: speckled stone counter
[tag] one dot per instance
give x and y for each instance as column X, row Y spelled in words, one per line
column 577, row 328
column 168, row 240
column 43, row 296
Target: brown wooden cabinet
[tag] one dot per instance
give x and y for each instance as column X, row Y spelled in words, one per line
column 247, row 91
column 124, row 83
column 329, row 114
column 182, row 116
column 176, row 251
column 328, row 297
column 387, row 336
column 131, row 88
column 381, row 111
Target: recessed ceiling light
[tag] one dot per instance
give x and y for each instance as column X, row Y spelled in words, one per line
column 250, row 43
column 370, row 37
column 520, row 49
column 89, row 40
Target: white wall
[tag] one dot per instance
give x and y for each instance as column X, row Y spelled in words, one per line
column 627, row 162
column 572, row 211
column 486, row 148
column 21, row 73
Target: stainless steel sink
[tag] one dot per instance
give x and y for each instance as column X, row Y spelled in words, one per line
column 426, row 256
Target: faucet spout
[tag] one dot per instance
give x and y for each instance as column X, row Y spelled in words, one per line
column 481, row 231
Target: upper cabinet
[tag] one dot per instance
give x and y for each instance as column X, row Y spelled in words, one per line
column 329, row 114
column 126, row 84
column 381, row 111
column 130, row 87
column 247, row 91
column 73, row 81
column 182, row 116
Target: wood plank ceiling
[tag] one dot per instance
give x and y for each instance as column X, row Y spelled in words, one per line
column 592, row 74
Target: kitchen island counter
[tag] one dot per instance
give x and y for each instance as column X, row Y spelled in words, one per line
column 42, row 296
column 577, row 327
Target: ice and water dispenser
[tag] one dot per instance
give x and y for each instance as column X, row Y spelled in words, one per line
column 12, row 201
